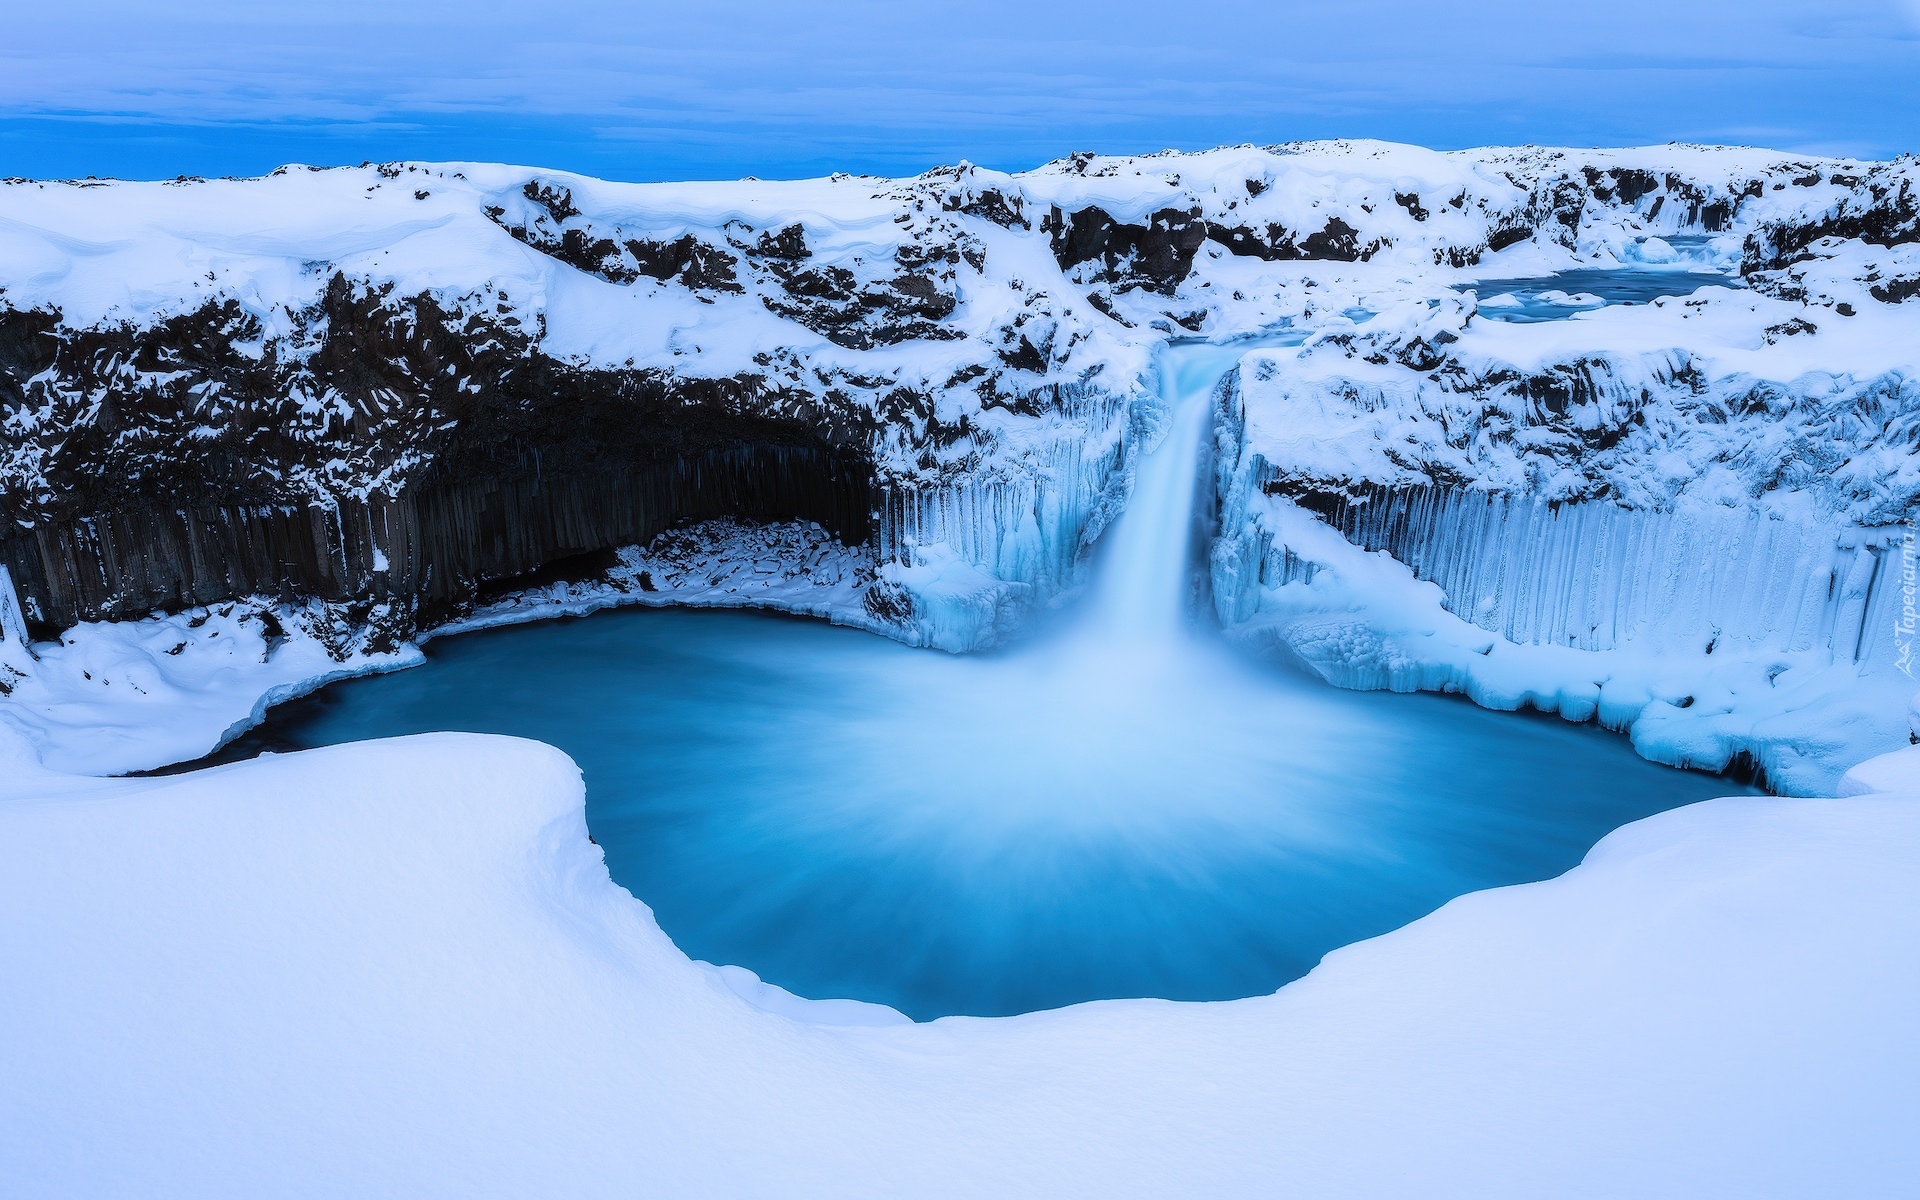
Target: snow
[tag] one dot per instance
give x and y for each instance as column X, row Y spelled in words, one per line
column 1769, row 400
column 1897, row 772
column 112, row 697
column 1683, row 518
column 399, row 967
column 1652, row 250
column 790, row 566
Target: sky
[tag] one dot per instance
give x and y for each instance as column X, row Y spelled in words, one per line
column 646, row 91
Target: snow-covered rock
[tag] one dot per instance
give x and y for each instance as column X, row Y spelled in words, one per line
column 394, row 391
column 400, row 381
column 327, row 382
column 116, row 696
column 1690, row 518
column 399, row 967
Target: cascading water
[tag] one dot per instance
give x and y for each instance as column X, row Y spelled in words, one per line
column 1142, row 589
column 1122, row 809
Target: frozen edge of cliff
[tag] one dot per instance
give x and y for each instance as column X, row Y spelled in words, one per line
column 1360, row 619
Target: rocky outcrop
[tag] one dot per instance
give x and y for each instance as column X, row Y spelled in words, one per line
column 1155, row 254
column 212, row 388
column 1880, row 206
column 384, row 448
column 1418, row 398
column 423, row 555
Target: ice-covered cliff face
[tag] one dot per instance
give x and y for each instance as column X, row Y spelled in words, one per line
column 1722, row 398
column 1690, row 517
column 383, row 386
column 396, row 381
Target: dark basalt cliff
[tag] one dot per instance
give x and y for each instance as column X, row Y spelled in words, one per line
column 396, row 450
column 210, row 469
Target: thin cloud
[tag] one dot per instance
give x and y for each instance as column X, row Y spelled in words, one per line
column 768, row 88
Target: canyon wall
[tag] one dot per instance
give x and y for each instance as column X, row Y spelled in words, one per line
column 427, row 549
column 393, row 386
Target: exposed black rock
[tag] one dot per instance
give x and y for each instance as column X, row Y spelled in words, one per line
column 1789, row 328
column 685, row 259
column 1506, row 235
column 1631, row 184
column 1889, row 215
column 186, row 466
column 617, row 258
column 789, row 244
column 1155, row 256
column 1898, row 290
column 422, row 555
column 905, row 304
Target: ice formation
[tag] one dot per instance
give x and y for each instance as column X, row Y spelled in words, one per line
column 255, row 434
column 372, row 399
column 1719, row 532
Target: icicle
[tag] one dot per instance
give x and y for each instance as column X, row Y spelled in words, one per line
column 13, row 624
column 1594, row 576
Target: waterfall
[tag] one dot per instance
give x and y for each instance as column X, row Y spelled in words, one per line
column 1141, row 592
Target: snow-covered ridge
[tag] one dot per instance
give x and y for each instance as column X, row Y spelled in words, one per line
column 1703, row 541
column 367, row 393
column 354, row 350
column 339, row 341
column 1714, row 399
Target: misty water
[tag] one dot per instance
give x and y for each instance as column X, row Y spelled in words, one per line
column 1121, row 806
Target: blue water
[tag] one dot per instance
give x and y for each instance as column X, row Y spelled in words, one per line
column 1121, row 806
column 849, row 817
column 1558, row 296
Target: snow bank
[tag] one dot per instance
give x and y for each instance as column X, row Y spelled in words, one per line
column 117, row 696
column 400, row 968
column 1897, row 772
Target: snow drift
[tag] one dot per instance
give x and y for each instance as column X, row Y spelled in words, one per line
column 400, row 967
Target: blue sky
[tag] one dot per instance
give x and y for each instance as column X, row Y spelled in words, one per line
column 650, row 91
